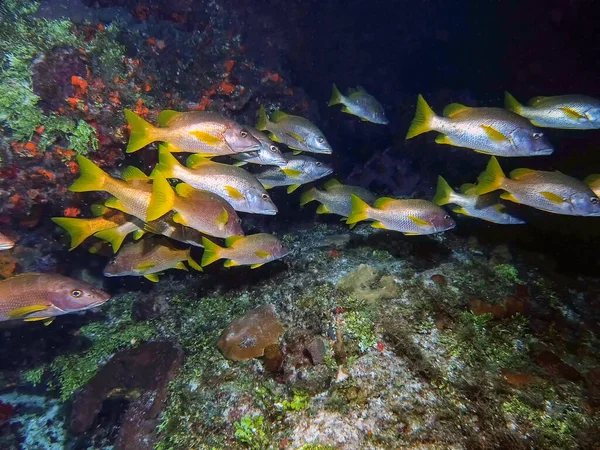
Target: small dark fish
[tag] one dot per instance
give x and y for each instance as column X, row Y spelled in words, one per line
column 359, row 103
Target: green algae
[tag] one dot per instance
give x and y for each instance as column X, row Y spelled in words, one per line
column 508, row 272
column 251, row 431
column 34, row 376
column 82, row 138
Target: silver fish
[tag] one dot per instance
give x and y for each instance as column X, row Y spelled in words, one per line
column 359, row 103
column 299, row 170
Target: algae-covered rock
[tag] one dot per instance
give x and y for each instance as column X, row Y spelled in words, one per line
column 365, row 283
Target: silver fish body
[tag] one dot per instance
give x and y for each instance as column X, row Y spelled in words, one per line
column 300, row 169
column 361, row 104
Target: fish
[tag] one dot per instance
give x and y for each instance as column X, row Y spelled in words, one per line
column 296, row 132
column 201, row 210
column 268, row 154
column 203, row 132
column 593, row 181
column 166, row 226
column 299, row 170
column 40, row 296
column 411, row 216
column 569, row 112
column 240, row 188
column 6, row 243
column 552, row 192
column 254, row 250
column 336, row 198
column 360, row 104
column 492, row 131
column 147, row 258
column 468, row 203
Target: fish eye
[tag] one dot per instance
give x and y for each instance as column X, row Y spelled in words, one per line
column 318, row 164
column 447, row 217
column 265, row 196
column 594, row 200
column 76, row 293
column 538, row 136
column 321, row 140
column 273, row 148
column 243, row 133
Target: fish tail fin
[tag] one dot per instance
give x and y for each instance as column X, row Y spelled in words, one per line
column 192, row 262
column 491, row 179
column 336, row 96
column 308, row 196
column 91, row 177
column 422, row 123
column 212, row 252
column 263, row 120
column 162, row 199
column 166, row 162
column 359, row 210
column 142, row 133
column 114, row 236
column 511, row 103
column 78, row 229
column 443, row 193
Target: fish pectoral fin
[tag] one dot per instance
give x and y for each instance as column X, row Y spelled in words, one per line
column 234, row 193
column 418, row 221
column 295, row 136
column 572, row 114
column 222, row 219
column 292, row 173
column 322, row 209
column 255, row 266
column 207, row 138
column 292, row 188
column 178, row 218
column 152, row 277
column 494, row 134
column 24, row 311
column 443, row 139
column 145, row 266
column 508, row 196
column 553, row 198
column 181, row 266
column 230, row 263
column 378, row 224
column 262, row 254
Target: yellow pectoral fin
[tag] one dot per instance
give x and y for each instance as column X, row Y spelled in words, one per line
column 378, row 224
column 25, row 311
column 222, row 219
column 254, row 266
column 207, row 138
column 292, row 188
column 152, row 277
column 553, row 198
column 262, row 254
column 295, row 136
column 572, row 114
column 292, row 173
column 144, row 266
column 233, row 193
column 494, row 134
column 418, row 221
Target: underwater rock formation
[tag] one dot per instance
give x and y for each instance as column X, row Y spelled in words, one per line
column 366, row 284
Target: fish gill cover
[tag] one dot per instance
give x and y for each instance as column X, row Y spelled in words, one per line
column 299, row 225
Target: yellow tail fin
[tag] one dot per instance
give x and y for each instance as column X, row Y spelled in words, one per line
column 511, row 103
column 336, row 96
column 359, row 210
column 162, row 199
column 78, row 229
column 423, row 118
column 141, row 134
column 444, row 193
column 307, row 196
column 114, row 236
column 212, row 252
column 166, row 162
column 91, row 177
column 491, row 179
column 263, row 120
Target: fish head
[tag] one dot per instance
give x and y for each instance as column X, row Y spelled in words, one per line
column 117, row 267
column 585, row 204
column 276, row 248
column 240, row 139
column 270, row 155
column 70, row 295
column 441, row 221
column 593, row 115
column 378, row 115
column 317, row 143
column 259, row 202
column 317, row 169
column 234, row 226
column 530, row 142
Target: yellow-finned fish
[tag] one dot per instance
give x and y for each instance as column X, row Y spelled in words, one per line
column 240, row 188
column 41, row 296
column 268, row 154
column 336, row 198
column 549, row 191
column 6, row 243
column 468, row 203
column 296, row 132
column 206, row 133
column 493, row 131
column 147, row 258
column 299, row 170
column 569, row 112
column 254, row 250
column 593, row 181
column 411, row 217
column 359, row 103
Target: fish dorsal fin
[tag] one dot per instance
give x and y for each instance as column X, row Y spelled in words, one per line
column 184, row 190
column 536, row 100
column 329, row 184
column 494, row 134
column 207, row 138
column 382, row 202
column 359, row 88
column 262, row 254
column 295, row 136
column 164, row 117
column 234, row 193
column 454, row 108
column 222, row 219
column 592, row 179
column 231, row 240
column 467, row 187
column 278, row 116
column 572, row 114
column 519, row 174
column 552, row 197
column 292, row 173
column 196, row 160
column 25, row 311
column 418, row 221
column 131, row 173
column 98, row 209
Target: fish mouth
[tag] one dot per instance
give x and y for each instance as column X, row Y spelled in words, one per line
column 269, row 212
column 545, row 151
column 7, row 246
